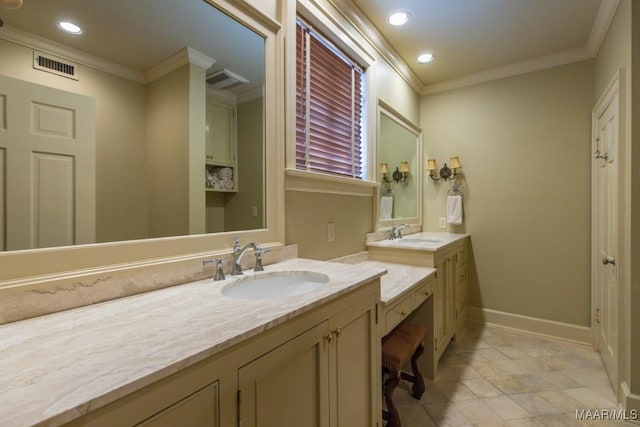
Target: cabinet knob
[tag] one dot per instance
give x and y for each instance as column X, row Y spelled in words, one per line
column 609, row 260
column 403, row 313
column 337, row 332
column 328, row 338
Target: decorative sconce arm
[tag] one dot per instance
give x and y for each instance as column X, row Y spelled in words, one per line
column 446, row 173
column 399, row 175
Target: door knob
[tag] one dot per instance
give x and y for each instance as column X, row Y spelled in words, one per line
column 609, row 260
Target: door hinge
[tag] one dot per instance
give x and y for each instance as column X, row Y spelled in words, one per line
column 597, row 315
column 239, row 402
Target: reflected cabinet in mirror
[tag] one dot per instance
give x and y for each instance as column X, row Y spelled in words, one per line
column 147, row 122
column 399, row 171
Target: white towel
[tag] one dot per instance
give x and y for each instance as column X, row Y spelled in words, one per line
column 454, row 209
column 386, row 207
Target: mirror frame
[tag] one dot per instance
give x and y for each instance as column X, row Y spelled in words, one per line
column 33, row 265
column 393, row 114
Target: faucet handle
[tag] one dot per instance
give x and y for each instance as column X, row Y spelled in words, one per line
column 259, row 252
column 236, row 244
column 219, row 274
column 392, row 232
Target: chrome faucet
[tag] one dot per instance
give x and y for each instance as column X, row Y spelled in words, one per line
column 219, row 275
column 395, row 232
column 238, row 253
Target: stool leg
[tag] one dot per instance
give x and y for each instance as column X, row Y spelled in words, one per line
column 418, row 385
column 391, row 415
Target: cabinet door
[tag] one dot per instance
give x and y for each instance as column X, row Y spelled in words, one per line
column 198, row 409
column 354, row 361
column 450, row 298
column 220, row 133
column 439, row 293
column 289, row 386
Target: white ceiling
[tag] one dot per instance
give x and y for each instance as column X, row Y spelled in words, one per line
column 140, row 34
column 473, row 37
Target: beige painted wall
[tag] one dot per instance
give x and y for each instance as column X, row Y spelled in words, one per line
column 524, row 145
column 168, row 154
column 237, row 214
column 120, row 140
column 307, row 214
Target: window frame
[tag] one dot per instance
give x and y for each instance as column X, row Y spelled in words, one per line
column 331, row 106
column 349, row 39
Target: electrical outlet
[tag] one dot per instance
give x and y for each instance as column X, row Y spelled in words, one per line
column 331, row 232
column 254, row 211
column 442, row 222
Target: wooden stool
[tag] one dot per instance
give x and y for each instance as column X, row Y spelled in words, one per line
column 404, row 342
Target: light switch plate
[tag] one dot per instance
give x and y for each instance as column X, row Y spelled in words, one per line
column 331, row 232
column 442, row 222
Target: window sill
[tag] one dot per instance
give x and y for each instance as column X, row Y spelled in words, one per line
column 313, row 182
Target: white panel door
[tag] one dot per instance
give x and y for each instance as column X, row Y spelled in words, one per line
column 48, row 146
column 606, row 235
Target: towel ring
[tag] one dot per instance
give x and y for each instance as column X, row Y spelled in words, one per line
column 455, row 191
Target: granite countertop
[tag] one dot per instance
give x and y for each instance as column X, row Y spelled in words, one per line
column 55, row 368
column 400, row 278
column 424, row 241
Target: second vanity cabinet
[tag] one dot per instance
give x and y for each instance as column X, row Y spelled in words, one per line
column 450, row 289
column 319, row 368
column 450, row 295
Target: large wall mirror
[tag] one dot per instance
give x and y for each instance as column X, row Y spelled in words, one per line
column 149, row 123
column 156, row 120
column 399, row 168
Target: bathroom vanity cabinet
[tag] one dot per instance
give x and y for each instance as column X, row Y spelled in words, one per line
column 446, row 252
column 319, row 368
column 450, row 293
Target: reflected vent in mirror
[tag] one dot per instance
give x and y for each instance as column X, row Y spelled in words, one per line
column 55, row 65
column 225, row 79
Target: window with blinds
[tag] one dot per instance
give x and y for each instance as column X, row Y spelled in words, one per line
column 329, row 107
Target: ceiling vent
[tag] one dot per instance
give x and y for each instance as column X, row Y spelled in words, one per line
column 225, row 79
column 55, row 65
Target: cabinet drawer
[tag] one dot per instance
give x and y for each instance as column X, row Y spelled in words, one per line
column 423, row 292
column 397, row 313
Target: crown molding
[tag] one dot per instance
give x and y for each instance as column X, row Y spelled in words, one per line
column 250, row 95
column 358, row 20
column 601, row 25
column 589, row 50
column 537, row 64
column 32, row 41
column 179, row 59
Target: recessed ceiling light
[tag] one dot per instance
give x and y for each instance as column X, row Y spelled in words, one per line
column 69, row 27
column 425, row 57
column 399, row 18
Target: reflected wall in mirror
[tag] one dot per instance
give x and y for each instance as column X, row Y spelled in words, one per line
column 398, row 142
column 150, row 123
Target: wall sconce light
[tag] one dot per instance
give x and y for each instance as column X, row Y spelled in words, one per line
column 444, row 173
column 10, row 4
column 399, row 175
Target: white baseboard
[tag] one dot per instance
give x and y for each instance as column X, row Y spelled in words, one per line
column 566, row 331
column 631, row 401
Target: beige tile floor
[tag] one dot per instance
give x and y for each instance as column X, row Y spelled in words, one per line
column 492, row 376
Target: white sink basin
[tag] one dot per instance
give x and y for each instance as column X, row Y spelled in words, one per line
column 275, row 285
